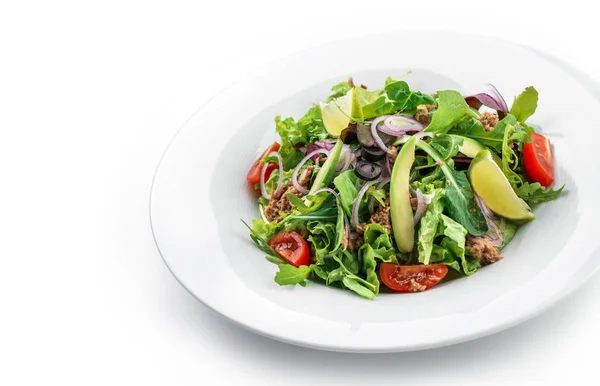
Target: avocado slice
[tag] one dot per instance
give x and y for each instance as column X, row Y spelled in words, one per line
column 325, row 174
column 471, row 147
column 491, row 185
column 400, row 209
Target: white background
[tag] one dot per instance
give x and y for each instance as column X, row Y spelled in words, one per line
column 90, row 95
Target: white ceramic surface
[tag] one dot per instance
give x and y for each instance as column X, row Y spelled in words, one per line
column 199, row 196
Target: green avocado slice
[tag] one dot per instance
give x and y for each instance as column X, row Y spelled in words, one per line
column 400, row 210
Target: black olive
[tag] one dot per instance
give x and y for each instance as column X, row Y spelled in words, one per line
column 366, row 170
column 372, row 153
column 349, row 135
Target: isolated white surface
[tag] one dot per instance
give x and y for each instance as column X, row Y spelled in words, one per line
column 90, row 94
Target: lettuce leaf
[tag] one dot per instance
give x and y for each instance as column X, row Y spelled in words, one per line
column 379, row 241
column 452, row 108
column 454, row 241
column 307, row 129
column 338, row 90
column 428, row 227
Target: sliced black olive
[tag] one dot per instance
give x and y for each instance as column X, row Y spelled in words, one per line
column 349, row 134
column 366, row 170
column 372, row 153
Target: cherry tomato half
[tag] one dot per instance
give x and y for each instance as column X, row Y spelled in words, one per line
column 291, row 247
column 537, row 159
column 254, row 172
column 411, row 278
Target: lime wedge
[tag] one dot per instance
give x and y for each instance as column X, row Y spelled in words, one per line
column 335, row 120
column 491, row 185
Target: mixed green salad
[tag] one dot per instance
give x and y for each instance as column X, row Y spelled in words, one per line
column 398, row 186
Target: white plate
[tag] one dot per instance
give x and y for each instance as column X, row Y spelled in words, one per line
column 199, row 196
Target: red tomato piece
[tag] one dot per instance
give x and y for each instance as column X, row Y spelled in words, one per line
column 254, row 172
column 292, row 247
column 537, row 159
column 411, row 278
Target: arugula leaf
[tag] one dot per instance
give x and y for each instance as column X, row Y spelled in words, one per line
column 353, row 284
column 338, row 90
column 452, row 108
column 395, row 96
column 513, row 134
column 525, row 104
column 290, row 275
column 275, row 259
column 307, row 129
column 535, row 193
column 461, row 202
column 261, row 232
column 428, row 227
column 472, row 128
column 403, row 98
column 446, row 145
column 345, row 183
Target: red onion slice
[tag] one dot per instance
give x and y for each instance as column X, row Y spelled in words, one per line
column 263, row 189
column 490, row 98
column 356, row 204
column 376, row 136
column 392, row 128
column 421, row 207
column 299, row 187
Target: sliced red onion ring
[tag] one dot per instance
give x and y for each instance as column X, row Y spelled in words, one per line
column 356, row 204
column 375, row 135
column 299, row 187
column 392, row 128
column 337, row 197
column 263, row 189
column 490, row 98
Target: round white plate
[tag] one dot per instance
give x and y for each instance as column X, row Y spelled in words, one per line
column 200, row 194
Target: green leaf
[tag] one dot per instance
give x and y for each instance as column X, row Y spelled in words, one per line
column 472, row 128
column 396, row 96
column 509, row 230
column 323, row 237
column 462, row 206
column 352, row 284
column 535, row 193
column 307, row 129
column 377, row 239
column 454, row 241
column 290, row 275
column 377, row 194
column 513, row 134
column 452, row 108
column 261, row 232
column 446, row 145
column 525, row 104
column 275, row 259
column 428, row 226
column 459, row 195
column 338, row 90
column 369, row 266
column 345, row 183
